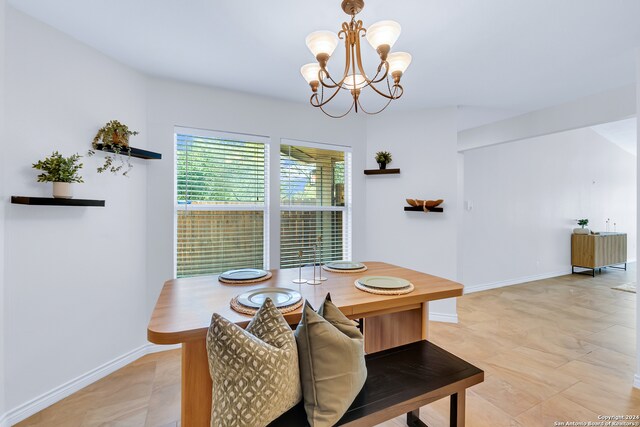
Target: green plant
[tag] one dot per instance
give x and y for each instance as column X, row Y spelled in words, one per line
column 113, row 138
column 583, row 222
column 383, row 157
column 58, row 168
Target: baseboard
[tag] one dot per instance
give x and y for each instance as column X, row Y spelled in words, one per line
column 443, row 317
column 636, row 381
column 509, row 282
column 47, row 399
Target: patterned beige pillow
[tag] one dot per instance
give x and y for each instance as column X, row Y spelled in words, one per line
column 254, row 371
column 332, row 365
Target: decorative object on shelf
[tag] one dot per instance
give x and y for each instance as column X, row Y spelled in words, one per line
column 51, row 201
column 299, row 280
column 114, row 138
column 381, row 171
column 383, row 158
column 583, row 230
column 244, row 276
column 425, row 205
column 381, row 36
column 61, row 171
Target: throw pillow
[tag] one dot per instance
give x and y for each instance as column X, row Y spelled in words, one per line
column 254, row 371
column 332, row 366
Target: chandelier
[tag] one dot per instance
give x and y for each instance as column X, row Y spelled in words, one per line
column 381, row 36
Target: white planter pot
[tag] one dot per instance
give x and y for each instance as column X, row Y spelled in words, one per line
column 581, row 231
column 62, row 190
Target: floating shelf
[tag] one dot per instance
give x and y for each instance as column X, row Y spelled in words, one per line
column 135, row 152
column 51, row 201
column 420, row 209
column 380, row 171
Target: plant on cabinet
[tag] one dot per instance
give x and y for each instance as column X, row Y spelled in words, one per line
column 61, row 171
column 582, row 223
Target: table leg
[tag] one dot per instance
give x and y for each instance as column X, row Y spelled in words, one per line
column 425, row 320
column 393, row 330
column 196, row 385
column 456, row 414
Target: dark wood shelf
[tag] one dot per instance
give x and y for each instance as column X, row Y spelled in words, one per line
column 135, row 152
column 420, row 209
column 380, row 171
column 51, row 201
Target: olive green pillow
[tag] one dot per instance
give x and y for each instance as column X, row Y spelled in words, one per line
column 254, row 371
column 332, row 366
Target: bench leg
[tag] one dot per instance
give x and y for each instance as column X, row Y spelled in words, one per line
column 413, row 419
column 456, row 414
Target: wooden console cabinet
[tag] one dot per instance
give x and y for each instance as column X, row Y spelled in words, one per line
column 594, row 251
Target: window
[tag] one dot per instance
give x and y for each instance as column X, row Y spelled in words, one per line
column 314, row 203
column 221, row 202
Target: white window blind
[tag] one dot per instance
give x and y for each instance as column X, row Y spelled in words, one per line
column 221, row 188
column 315, row 204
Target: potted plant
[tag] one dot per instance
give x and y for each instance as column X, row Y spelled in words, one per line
column 113, row 138
column 62, row 171
column 383, row 158
column 582, row 223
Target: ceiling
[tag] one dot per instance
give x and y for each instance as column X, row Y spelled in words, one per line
column 503, row 55
column 622, row 133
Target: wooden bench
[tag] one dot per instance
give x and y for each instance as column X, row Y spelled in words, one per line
column 400, row 380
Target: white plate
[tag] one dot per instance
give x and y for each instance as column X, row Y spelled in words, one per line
column 244, row 274
column 344, row 265
column 281, row 297
column 384, row 282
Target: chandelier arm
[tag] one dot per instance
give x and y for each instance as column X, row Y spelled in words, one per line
column 388, row 96
column 340, row 116
column 347, row 63
column 377, row 112
column 322, row 102
column 384, row 76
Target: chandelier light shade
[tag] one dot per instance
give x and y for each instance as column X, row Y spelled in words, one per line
column 383, row 33
column 322, row 42
column 384, row 82
column 398, row 61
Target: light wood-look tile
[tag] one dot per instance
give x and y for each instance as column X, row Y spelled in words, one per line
column 560, row 349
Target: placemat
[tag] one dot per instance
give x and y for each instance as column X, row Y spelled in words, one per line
column 235, row 305
column 245, row 282
column 333, row 270
column 384, row 291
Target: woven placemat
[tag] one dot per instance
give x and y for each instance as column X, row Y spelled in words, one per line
column 333, row 270
column 245, row 282
column 235, row 305
column 384, row 291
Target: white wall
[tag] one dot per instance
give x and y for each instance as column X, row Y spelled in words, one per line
column 74, row 276
column 423, row 145
column 609, row 106
column 526, row 196
column 176, row 104
column 637, row 377
column 3, row 204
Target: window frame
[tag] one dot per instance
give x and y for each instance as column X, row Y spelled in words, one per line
column 264, row 207
column 347, row 209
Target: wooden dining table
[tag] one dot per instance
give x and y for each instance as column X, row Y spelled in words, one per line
column 183, row 313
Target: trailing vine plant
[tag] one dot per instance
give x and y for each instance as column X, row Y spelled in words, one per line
column 113, row 138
